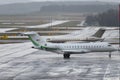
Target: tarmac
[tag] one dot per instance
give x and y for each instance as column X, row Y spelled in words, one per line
column 18, row 61
column 21, row 62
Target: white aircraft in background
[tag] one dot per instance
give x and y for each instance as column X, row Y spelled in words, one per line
column 68, row 48
column 90, row 34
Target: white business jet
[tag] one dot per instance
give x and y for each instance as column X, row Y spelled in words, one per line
column 89, row 34
column 69, row 48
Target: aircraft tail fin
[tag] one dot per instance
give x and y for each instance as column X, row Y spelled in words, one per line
column 35, row 38
column 99, row 33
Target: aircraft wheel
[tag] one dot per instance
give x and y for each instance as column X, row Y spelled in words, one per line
column 66, row 56
column 109, row 55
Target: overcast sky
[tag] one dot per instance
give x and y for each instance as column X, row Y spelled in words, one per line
column 19, row 1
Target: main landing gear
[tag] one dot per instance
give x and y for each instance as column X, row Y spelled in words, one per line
column 109, row 54
column 66, row 56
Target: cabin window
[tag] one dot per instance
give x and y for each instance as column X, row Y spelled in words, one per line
column 76, row 46
column 82, row 46
column 64, row 46
column 87, row 46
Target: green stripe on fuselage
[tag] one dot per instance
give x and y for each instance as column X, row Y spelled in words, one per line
column 35, row 43
column 40, row 46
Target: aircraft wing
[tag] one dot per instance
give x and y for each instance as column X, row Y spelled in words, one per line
column 77, row 51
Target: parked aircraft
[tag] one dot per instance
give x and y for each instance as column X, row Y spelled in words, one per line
column 88, row 34
column 69, row 48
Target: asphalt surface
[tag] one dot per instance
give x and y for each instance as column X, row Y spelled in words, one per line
column 20, row 62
